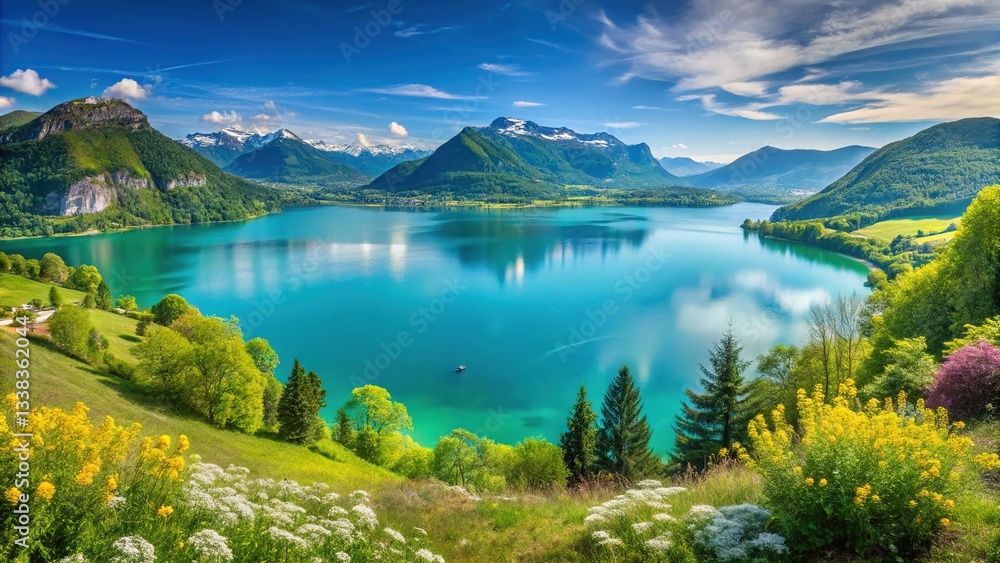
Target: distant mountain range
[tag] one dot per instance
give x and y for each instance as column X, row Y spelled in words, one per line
column 770, row 173
column 944, row 163
column 518, row 157
column 683, row 166
column 97, row 155
column 225, row 146
column 284, row 158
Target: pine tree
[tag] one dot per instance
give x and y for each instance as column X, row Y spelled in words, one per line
column 298, row 408
column 579, row 443
column 623, row 437
column 54, row 298
column 103, row 298
column 716, row 418
column 343, row 432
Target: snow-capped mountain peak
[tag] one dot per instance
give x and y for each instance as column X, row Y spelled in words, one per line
column 515, row 127
column 357, row 149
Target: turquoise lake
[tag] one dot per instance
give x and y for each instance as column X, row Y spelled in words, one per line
column 534, row 301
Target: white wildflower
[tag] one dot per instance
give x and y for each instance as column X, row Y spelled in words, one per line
column 331, row 498
column 395, row 535
column 594, row 519
column 286, row 536
column 642, row 527
column 338, row 511
column 664, row 517
column 426, row 555
column 237, row 471
column 341, row 556
column 611, row 542
column 704, row 511
column 313, row 533
column 600, row 535
column 133, row 549
column 649, row 484
column 116, row 502
column 660, row 543
column 211, row 546
column 365, row 515
column 75, row 558
column 421, row 531
column 359, row 496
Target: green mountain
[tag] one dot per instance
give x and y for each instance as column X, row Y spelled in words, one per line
column 770, row 172
column 944, row 163
column 287, row 159
column 100, row 156
column 518, row 157
column 16, row 118
column 684, row 166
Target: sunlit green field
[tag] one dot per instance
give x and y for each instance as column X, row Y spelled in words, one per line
column 909, row 226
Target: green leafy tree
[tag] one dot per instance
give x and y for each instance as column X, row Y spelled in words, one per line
column 52, row 269
column 264, row 357
column 126, row 303
column 85, row 278
column 32, row 268
column 624, row 433
column 70, row 329
column 910, row 369
column 579, row 442
column 165, row 362
column 18, row 265
column 103, row 297
column 716, row 418
column 54, row 298
column 4, row 263
column 414, row 461
column 169, row 309
column 90, row 301
column 299, row 406
column 462, row 458
column 537, row 464
column 375, row 418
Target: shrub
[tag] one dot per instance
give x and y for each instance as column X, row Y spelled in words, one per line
column 169, row 309
column 119, row 367
column 638, row 526
column 538, row 465
column 879, row 478
column 968, row 380
column 70, row 329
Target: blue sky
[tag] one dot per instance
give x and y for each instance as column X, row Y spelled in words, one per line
column 708, row 79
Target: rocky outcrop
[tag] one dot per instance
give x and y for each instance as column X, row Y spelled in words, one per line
column 89, row 195
column 78, row 115
column 123, row 179
column 190, row 179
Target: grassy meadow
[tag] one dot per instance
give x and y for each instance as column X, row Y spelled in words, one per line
column 909, row 226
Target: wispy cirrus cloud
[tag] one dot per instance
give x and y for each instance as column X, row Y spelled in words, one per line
column 68, row 31
column 525, row 104
column 716, row 43
column 421, row 29
column 419, row 91
column 504, row 69
column 752, row 111
column 623, row 124
column 954, row 98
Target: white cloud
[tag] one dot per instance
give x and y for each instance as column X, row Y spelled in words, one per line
column 823, row 94
column 363, row 140
column 417, row 30
column 524, row 104
column 27, row 82
column 623, row 124
column 749, row 111
column 127, row 89
column 270, row 105
column 266, row 117
column 652, row 108
column 506, row 70
column 679, row 146
column 397, row 129
column 223, row 118
column 419, row 91
column 747, row 89
column 6, row 102
column 955, row 98
column 715, row 43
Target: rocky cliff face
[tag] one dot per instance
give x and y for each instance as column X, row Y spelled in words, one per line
column 78, row 115
column 190, row 179
column 85, row 196
column 95, row 193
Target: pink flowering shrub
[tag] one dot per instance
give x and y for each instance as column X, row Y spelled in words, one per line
column 969, row 379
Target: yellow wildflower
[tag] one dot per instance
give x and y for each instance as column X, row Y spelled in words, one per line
column 822, row 482
column 945, row 522
column 13, row 495
column 165, row 511
column 809, row 481
column 163, row 442
column 182, row 444
column 45, row 490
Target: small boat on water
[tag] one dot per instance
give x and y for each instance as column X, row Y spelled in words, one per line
column 460, row 369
